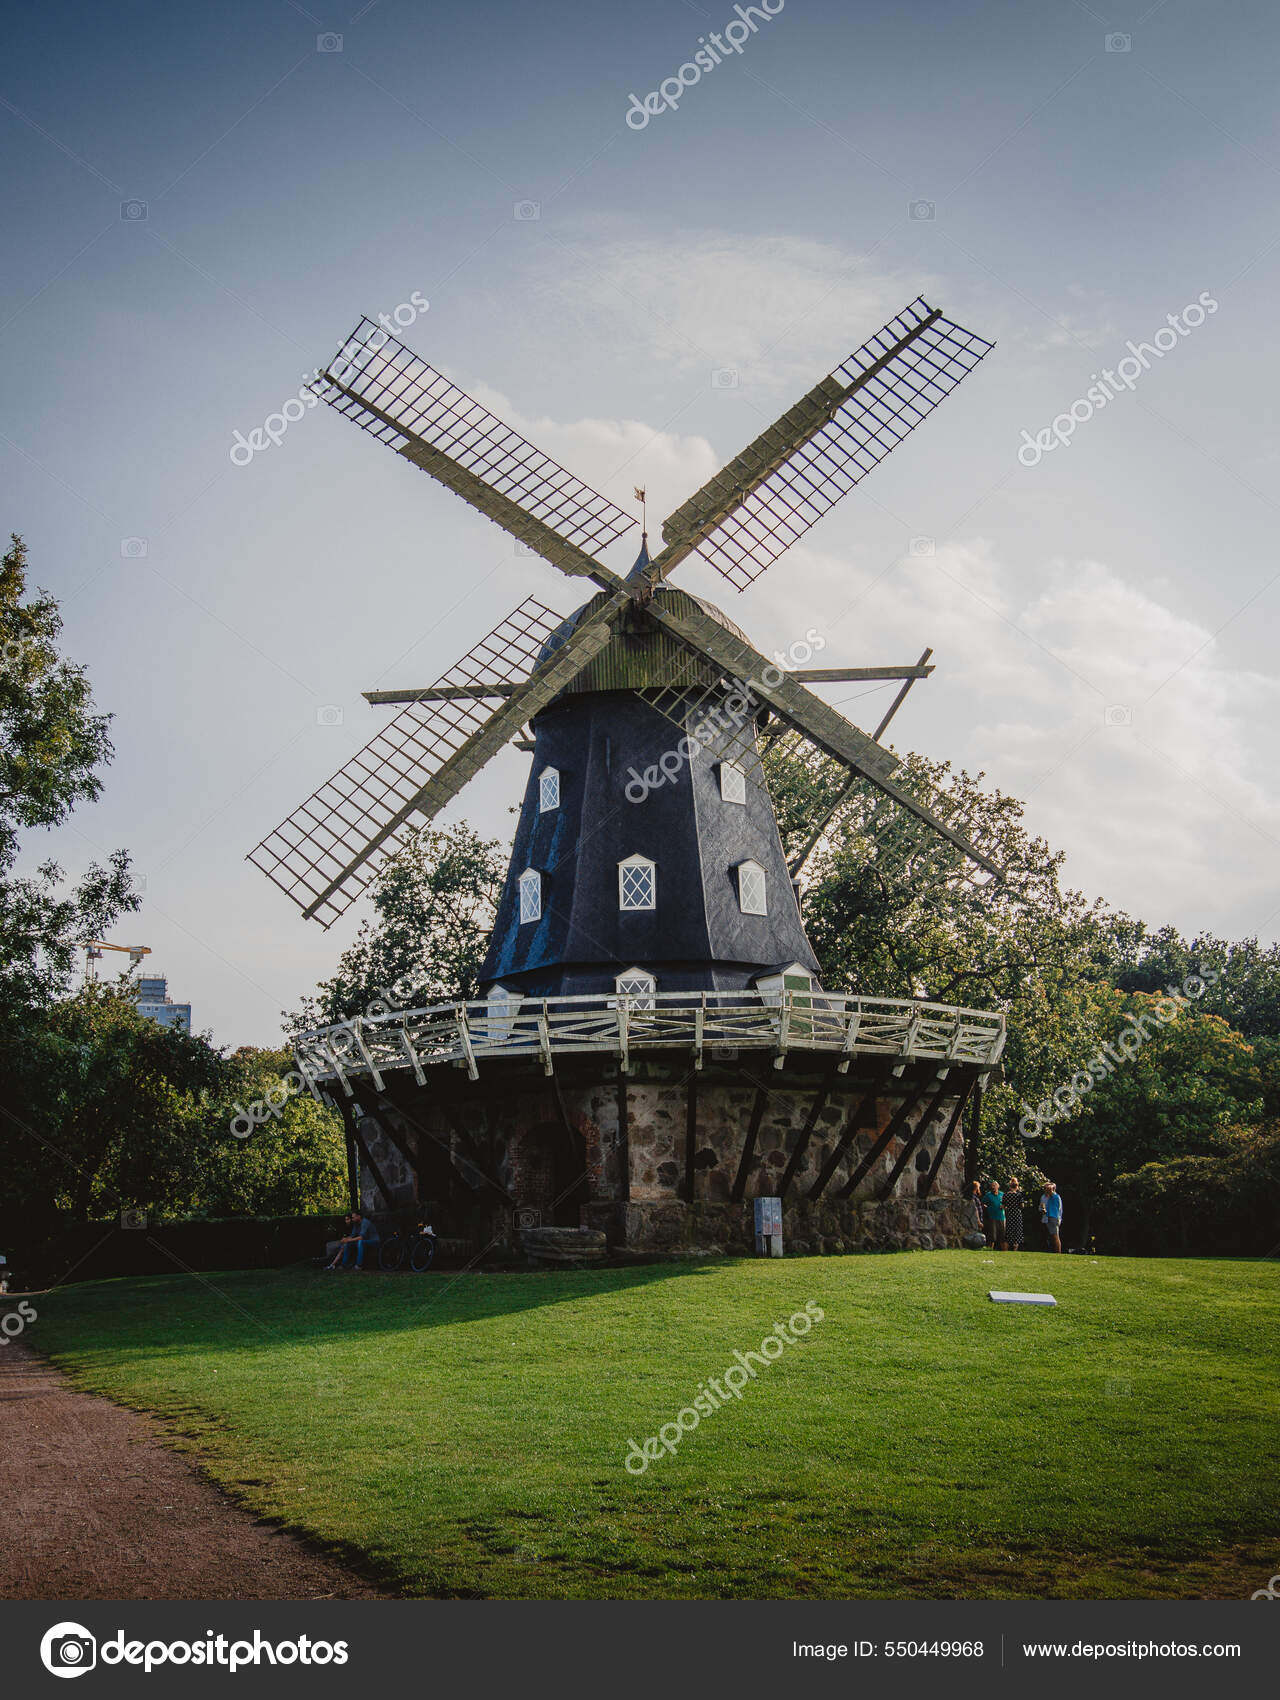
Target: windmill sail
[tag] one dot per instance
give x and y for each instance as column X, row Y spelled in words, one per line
column 328, row 850
column 797, row 470
column 402, row 401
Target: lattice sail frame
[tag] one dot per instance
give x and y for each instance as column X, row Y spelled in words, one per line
column 399, row 399
column 901, row 374
column 369, row 794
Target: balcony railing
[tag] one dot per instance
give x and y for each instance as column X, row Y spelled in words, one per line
column 696, row 1023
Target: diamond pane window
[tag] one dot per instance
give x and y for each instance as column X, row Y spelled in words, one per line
column 637, row 883
column 637, row 987
column 530, row 896
column 733, row 782
column 751, row 893
column 548, row 790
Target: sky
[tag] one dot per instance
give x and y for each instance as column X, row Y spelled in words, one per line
column 202, row 201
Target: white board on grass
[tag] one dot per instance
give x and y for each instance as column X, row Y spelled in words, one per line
column 1022, row 1298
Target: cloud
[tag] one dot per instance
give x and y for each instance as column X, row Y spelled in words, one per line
column 1110, row 712
column 781, row 309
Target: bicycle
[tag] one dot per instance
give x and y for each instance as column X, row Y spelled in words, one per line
column 417, row 1248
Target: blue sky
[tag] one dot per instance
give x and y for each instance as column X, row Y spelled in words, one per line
column 1088, row 173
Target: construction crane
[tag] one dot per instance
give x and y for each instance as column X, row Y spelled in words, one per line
column 93, row 949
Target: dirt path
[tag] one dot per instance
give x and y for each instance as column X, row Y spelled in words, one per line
column 95, row 1507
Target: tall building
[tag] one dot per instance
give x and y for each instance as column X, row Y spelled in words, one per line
column 154, row 1001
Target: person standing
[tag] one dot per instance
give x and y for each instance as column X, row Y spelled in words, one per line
column 1051, row 1215
column 993, row 1206
column 1013, row 1215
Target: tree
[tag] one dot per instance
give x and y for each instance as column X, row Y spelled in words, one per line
column 1246, row 988
column 52, row 744
column 111, row 1111
column 1178, row 1086
column 434, row 906
column 292, row 1163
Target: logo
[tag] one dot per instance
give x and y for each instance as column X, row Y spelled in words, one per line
column 1270, row 1592
column 68, row 1649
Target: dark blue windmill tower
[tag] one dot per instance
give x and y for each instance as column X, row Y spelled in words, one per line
column 648, row 923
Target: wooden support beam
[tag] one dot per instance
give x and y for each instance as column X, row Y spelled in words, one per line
column 454, row 693
column 473, row 1156
column 353, row 1027
column 749, row 1143
column 383, row 1116
column 971, row 1142
column 839, row 675
column 353, row 1159
column 909, row 1144
column 806, row 1133
column 367, row 1158
column 464, row 1039
column 945, row 1141
column 866, row 1107
column 896, row 1123
column 690, row 1134
column 910, row 674
column 624, row 1134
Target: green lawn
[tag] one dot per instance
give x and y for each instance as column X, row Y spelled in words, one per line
column 465, row 1434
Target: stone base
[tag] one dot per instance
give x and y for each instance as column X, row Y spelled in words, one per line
column 668, row 1161
column 808, row 1230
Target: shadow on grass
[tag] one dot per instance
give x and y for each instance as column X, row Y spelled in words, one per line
column 227, row 1310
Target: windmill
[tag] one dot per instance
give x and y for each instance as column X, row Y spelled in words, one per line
column 648, row 906
column 325, row 853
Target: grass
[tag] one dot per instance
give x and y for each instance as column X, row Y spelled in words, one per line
column 465, row 1435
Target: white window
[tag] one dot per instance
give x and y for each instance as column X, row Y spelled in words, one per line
column 733, row 782
column 637, row 987
column 751, row 894
column 548, row 790
column 504, row 1006
column 637, row 883
column 530, row 896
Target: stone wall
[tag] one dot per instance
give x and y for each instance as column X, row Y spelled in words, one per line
column 625, row 1173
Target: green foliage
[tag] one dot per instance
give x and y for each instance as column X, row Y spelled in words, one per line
column 110, row 1110
column 1246, row 988
column 1190, row 1081
column 294, row 1161
column 104, row 1108
column 434, row 906
column 1229, row 1202
column 52, row 744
